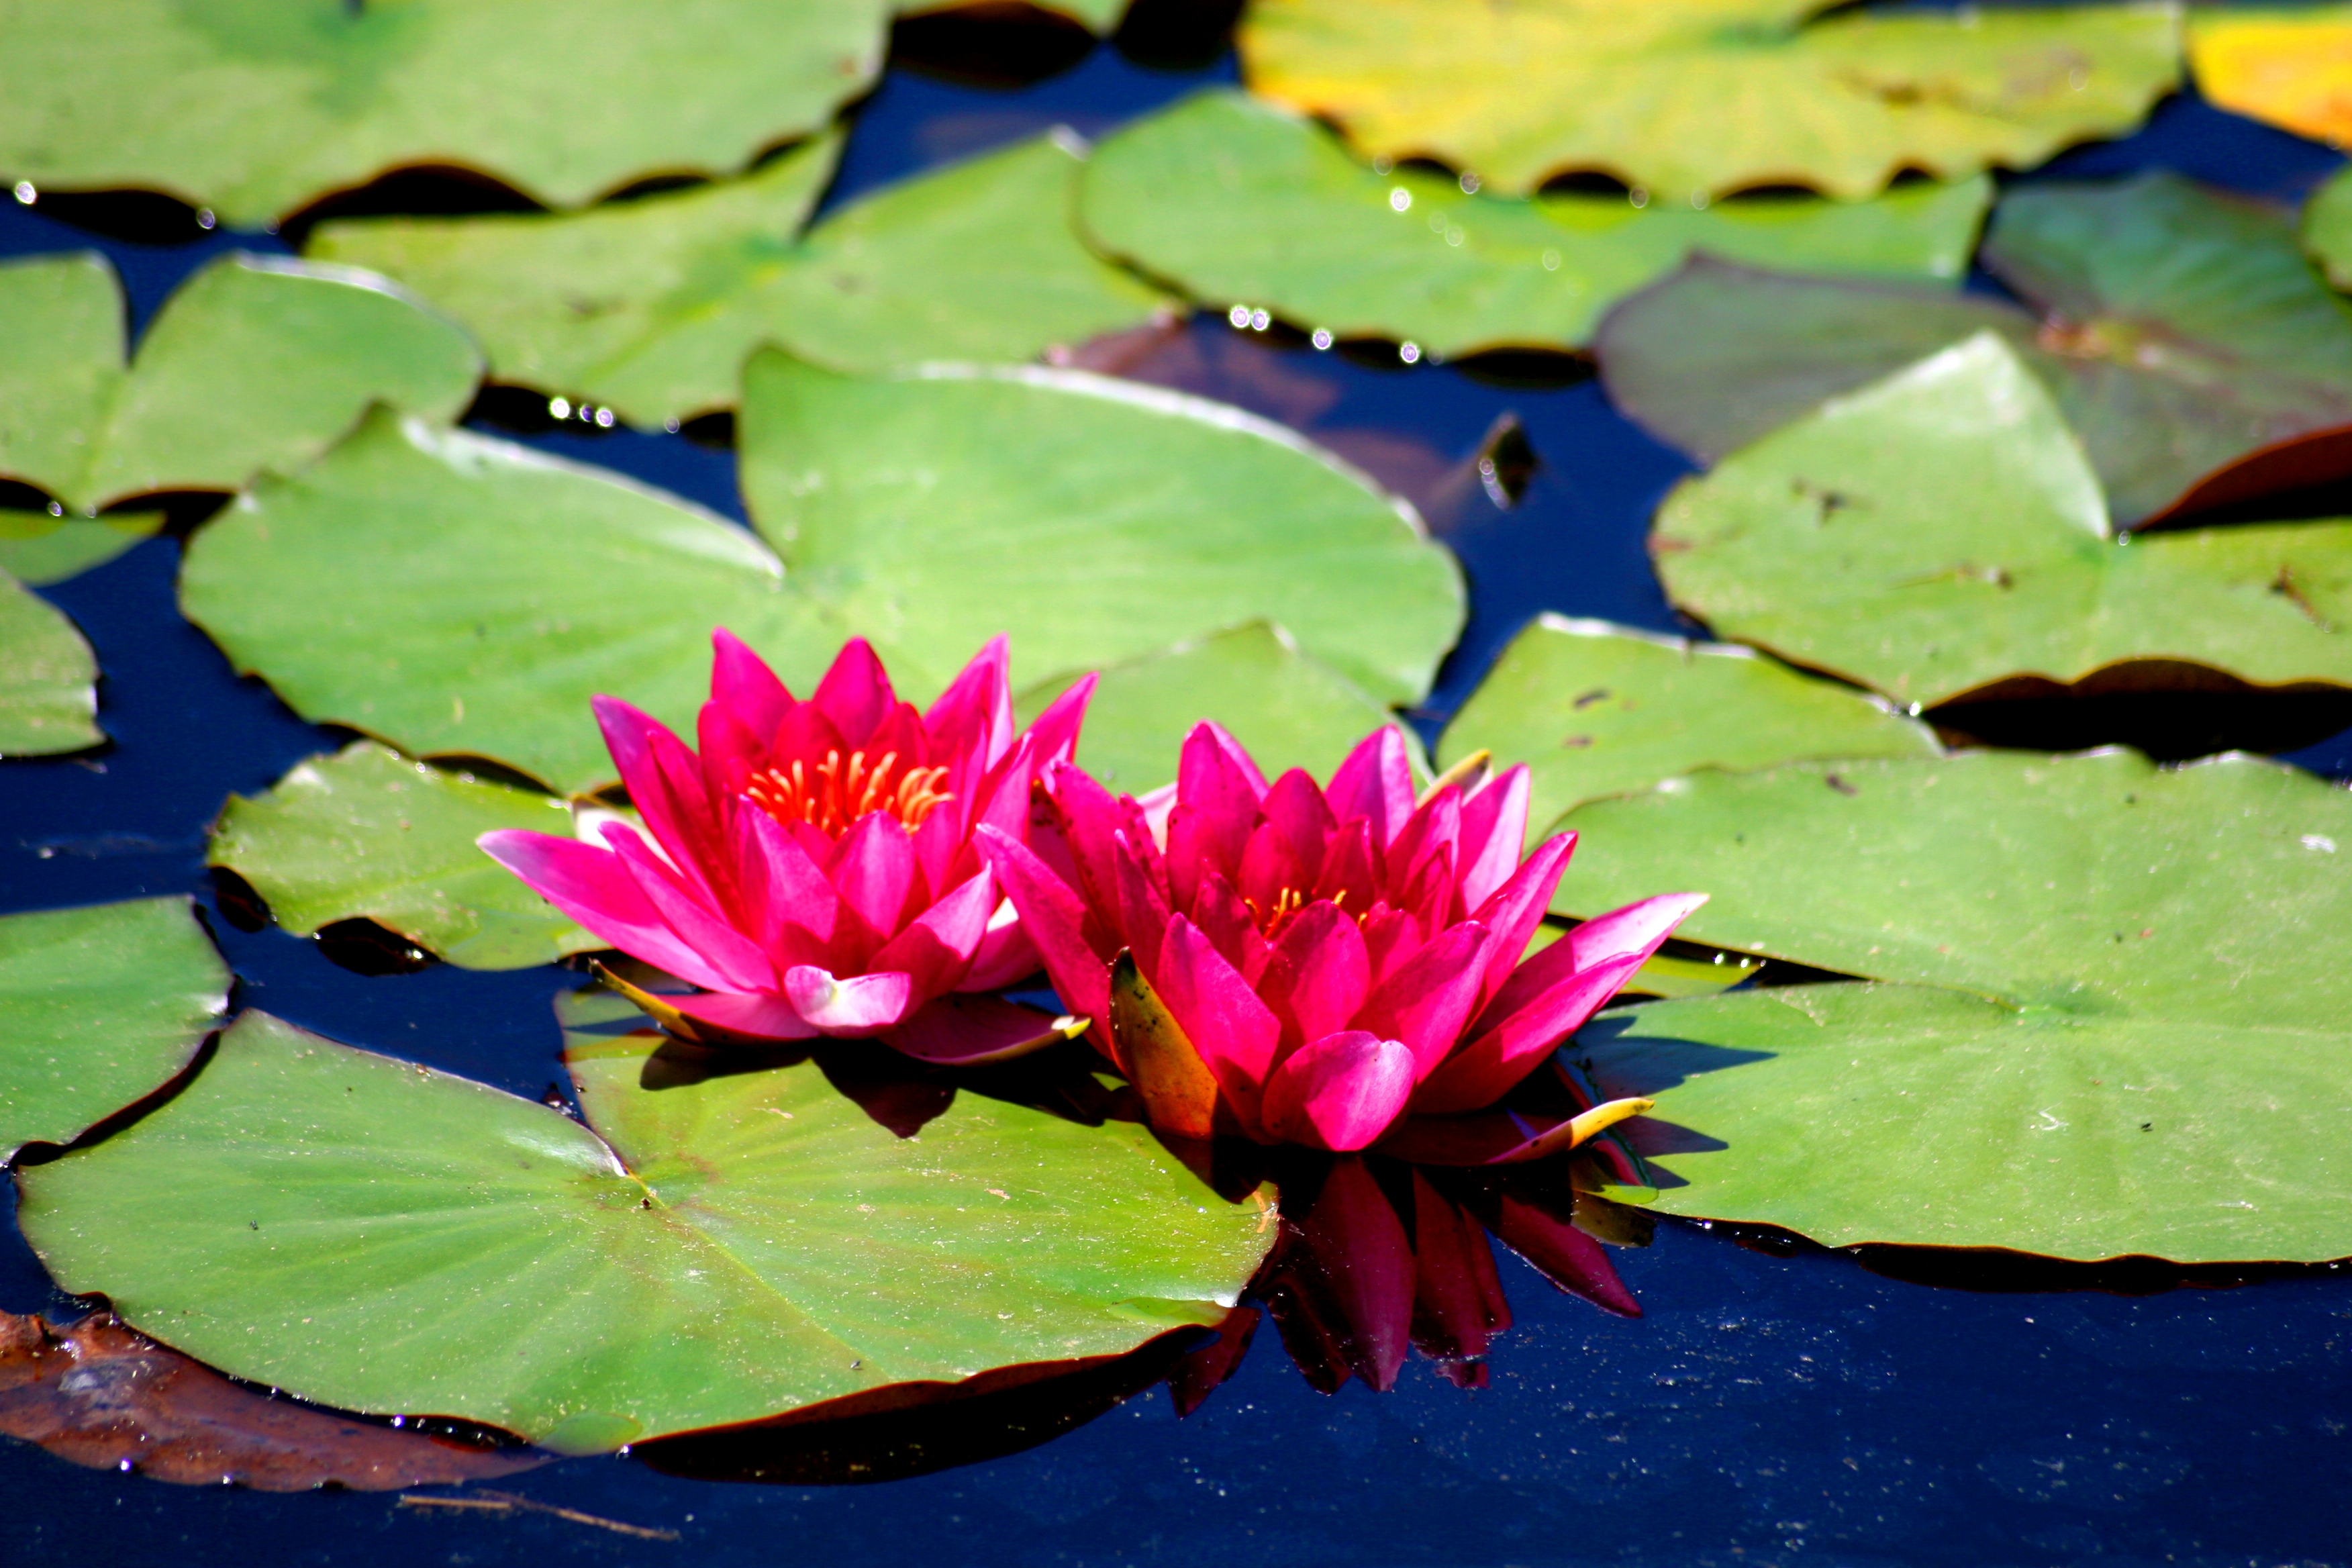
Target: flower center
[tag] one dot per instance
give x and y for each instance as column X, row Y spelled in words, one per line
column 838, row 793
column 1286, row 907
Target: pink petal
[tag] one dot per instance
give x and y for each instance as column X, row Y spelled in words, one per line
column 731, row 749
column 937, row 949
column 1296, row 809
column 1350, row 866
column 1090, row 819
column 1219, row 787
column 1227, row 923
column 1375, row 783
column 1639, row 929
column 1493, row 830
column 1318, row 975
column 1055, row 917
column 973, row 717
column 799, row 911
column 873, row 868
column 1056, row 729
column 1143, row 912
column 972, row 1031
column 1002, row 799
column 855, row 693
column 1005, row 955
column 1390, row 938
column 1485, row 1069
column 744, row 687
column 859, row 1005
column 589, row 884
column 1234, row 1033
column 1435, row 826
column 1268, row 868
column 754, row 1015
column 1338, row 1093
column 737, row 956
column 666, row 784
column 1517, row 908
column 1426, row 1002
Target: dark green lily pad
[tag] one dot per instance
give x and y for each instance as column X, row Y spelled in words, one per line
column 2328, row 228
column 2099, row 884
column 1941, row 531
column 1903, row 1113
column 256, row 362
column 369, row 834
column 650, row 306
column 379, row 1236
column 1289, row 710
column 2180, row 330
column 103, row 1004
column 1702, row 97
column 461, row 597
column 1096, row 520
column 1596, row 709
column 254, row 110
column 49, row 678
column 39, row 548
column 1237, row 200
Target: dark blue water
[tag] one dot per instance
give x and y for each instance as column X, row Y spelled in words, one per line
column 1768, row 1408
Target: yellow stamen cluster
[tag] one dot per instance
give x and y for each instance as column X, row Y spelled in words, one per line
column 839, row 793
column 1287, row 905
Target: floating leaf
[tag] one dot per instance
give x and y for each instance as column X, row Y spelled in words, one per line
column 2179, row 328
column 48, row 678
column 1096, row 520
column 1940, row 532
column 1099, row 16
column 1906, row 1114
column 1288, row 709
column 368, row 834
column 38, row 548
column 651, row 306
column 1237, row 200
column 462, row 596
column 1699, row 97
column 1596, row 709
column 2098, row 884
column 103, row 1004
column 254, row 111
column 95, row 1393
column 256, row 362
column 2286, row 68
column 373, row 1235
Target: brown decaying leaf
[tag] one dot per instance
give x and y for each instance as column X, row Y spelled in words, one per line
column 98, row 1394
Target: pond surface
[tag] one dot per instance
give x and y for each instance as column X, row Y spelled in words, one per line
column 1772, row 1404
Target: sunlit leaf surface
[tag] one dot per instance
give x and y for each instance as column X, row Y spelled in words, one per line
column 2178, row 328
column 1288, row 709
column 255, row 362
column 48, row 691
column 383, row 1237
column 1700, row 97
column 1238, row 201
column 257, row 108
column 1095, row 520
column 368, row 834
column 2291, row 68
column 103, row 1004
column 1904, row 1114
column 1595, row 710
column 38, row 548
column 2328, row 228
column 1097, row 15
column 459, row 595
column 649, row 306
column 1941, row 529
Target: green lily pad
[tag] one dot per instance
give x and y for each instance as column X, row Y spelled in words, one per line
column 1289, row 710
column 2328, row 228
column 650, row 307
column 256, row 362
column 1237, row 200
column 102, row 1005
column 1941, row 530
column 1597, row 709
column 1099, row 16
column 1096, row 520
column 38, row 548
column 255, row 108
column 49, row 678
column 1700, row 97
column 2098, row 884
column 369, row 834
column 1902, row 1113
column 380, row 1236
column 2179, row 328
column 461, row 597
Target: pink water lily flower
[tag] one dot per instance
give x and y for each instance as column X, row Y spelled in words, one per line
column 813, row 868
column 1312, row 965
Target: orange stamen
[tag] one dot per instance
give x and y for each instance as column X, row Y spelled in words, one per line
column 841, row 794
